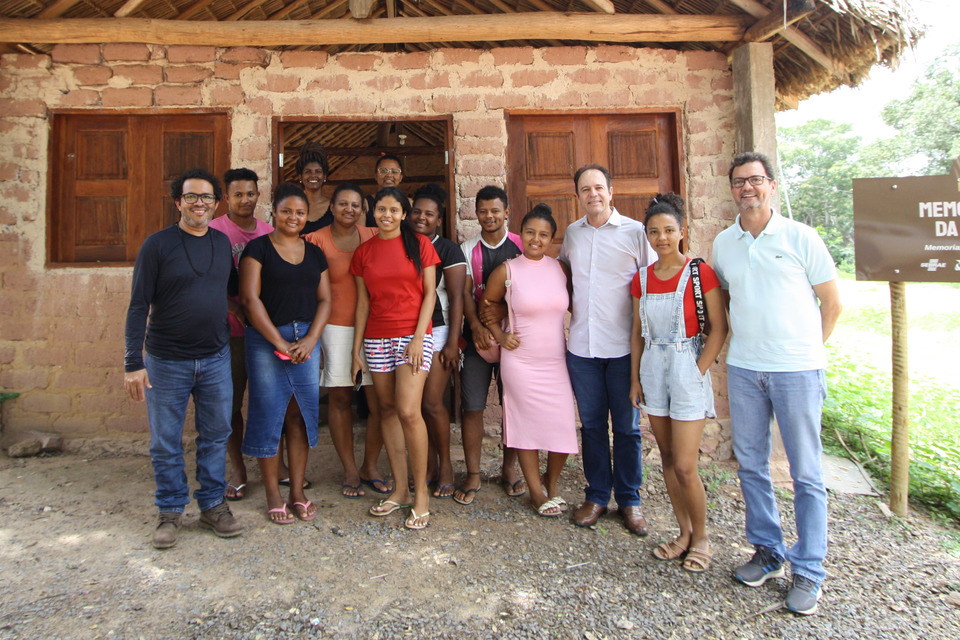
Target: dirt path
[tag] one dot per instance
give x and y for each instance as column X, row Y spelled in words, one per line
column 76, row 562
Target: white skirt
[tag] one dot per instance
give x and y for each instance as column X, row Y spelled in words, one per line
column 337, row 345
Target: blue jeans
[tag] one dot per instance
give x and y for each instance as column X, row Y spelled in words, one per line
column 602, row 389
column 210, row 383
column 796, row 399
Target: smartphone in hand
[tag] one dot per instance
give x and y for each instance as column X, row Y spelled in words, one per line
column 281, row 355
column 358, row 380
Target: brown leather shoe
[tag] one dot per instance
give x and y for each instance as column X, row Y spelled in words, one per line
column 588, row 513
column 634, row 521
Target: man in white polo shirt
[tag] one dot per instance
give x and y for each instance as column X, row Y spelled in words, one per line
column 784, row 303
column 604, row 250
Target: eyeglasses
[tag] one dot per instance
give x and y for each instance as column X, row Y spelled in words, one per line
column 205, row 198
column 756, row 181
column 385, row 172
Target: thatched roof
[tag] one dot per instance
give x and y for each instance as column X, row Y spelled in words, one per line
column 834, row 43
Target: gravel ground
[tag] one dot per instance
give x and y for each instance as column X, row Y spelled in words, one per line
column 76, row 562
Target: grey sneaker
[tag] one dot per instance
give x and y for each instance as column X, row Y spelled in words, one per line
column 167, row 531
column 221, row 520
column 803, row 596
column 762, row 567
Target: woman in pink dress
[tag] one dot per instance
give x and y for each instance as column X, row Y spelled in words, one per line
column 538, row 410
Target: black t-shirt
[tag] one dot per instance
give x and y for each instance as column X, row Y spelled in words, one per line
column 180, row 280
column 288, row 291
column 492, row 258
column 315, row 225
column 450, row 255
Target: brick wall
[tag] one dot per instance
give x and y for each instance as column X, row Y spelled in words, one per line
column 62, row 329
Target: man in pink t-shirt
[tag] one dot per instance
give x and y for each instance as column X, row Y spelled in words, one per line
column 240, row 226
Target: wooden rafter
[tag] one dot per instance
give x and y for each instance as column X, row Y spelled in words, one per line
column 194, row 9
column 260, row 33
column 287, row 10
column 244, row 10
column 603, row 6
column 793, row 35
column 129, row 8
column 774, row 22
column 58, row 8
column 391, row 8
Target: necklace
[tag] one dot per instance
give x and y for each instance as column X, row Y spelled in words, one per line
column 183, row 243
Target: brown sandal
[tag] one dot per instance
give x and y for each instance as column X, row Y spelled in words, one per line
column 697, row 560
column 669, row 551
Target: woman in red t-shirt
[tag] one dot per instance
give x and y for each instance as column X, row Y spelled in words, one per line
column 396, row 292
column 672, row 379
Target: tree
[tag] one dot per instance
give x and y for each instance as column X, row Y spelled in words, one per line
column 928, row 120
column 818, row 161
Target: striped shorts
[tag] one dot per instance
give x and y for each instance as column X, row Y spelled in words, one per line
column 386, row 354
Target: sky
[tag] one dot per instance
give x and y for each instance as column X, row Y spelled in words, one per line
column 861, row 106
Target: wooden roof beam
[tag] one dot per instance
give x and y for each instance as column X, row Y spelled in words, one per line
column 775, row 22
column 602, row 6
column 361, row 9
column 535, row 25
column 57, row 9
column 795, row 37
column 128, row 8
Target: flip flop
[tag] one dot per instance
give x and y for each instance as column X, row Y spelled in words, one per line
column 289, row 519
column 441, row 488
column 697, row 560
column 354, row 487
column 669, row 551
column 512, row 490
column 544, row 510
column 469, row 496
column 411, row 522
column 237, row 492
column 286, row 483
column 373, row 482
column 386, row 507
column 302, row 510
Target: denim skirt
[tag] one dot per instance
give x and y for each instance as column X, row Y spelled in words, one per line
column 272, row 382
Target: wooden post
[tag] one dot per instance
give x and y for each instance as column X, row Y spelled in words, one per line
column 754, row 98
column 900, row 436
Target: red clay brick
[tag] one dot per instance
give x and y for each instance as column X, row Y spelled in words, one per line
column 468, row 210
column 411, row 104
column 29, row 176
column 24, row 61
column 80, row 98
column 699, row 102
column 94, row 74
column 45, row 402
column 187, row 74
column 697, row 60
column 99, row 356
column 76, row 53
column 260, row 105
column 13, row 108
column 128, row 423
column 565, row 99
column 479, row 127
column 512, row 55
column 460, row 56
column 18, row 193
column 9, row 171
column 694, row 81
column 655, row 97
column 308, row 59
column 87, row 378
column 21, row 380
column 46, row 356
column 129, row 97
column 339, row 82
column 255, row 150
column 532, row 77
column 565, row 55
column 709, row 146
column 506, row 100
column 231, row 95
column 6, row 217
column 480, row 167
column 429, row 80
column 349, row 105
column 303, row 105
column 614, row 53
column 229, row 71
column 77, row 332
column 479, row 146
column 383, row 83
column 591, row 76
column 456, row 103
column 280, row 84
column 7, row 354
column 358, row 61
column 246, row 54
column 20, row 280
column 140, row 73
column 722, row 83
column 619, row 98
column 416, row 60
column 481, row 79
column 126, row 52
column 166, row 96
column 180, row 54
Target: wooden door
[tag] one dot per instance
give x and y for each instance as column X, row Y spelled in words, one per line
column 642, row 152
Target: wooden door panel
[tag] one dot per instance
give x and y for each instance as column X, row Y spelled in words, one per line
column 640, row 150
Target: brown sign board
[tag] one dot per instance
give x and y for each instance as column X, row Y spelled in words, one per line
column 908, row 229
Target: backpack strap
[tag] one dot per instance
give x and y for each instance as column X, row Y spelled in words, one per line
column 476, row 263
column 698, row 302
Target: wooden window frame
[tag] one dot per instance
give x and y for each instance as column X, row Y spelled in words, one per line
column 145, row 181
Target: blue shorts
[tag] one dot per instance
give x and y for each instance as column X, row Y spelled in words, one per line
column 386, row 354
column 672, row 384
column 272, row 382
